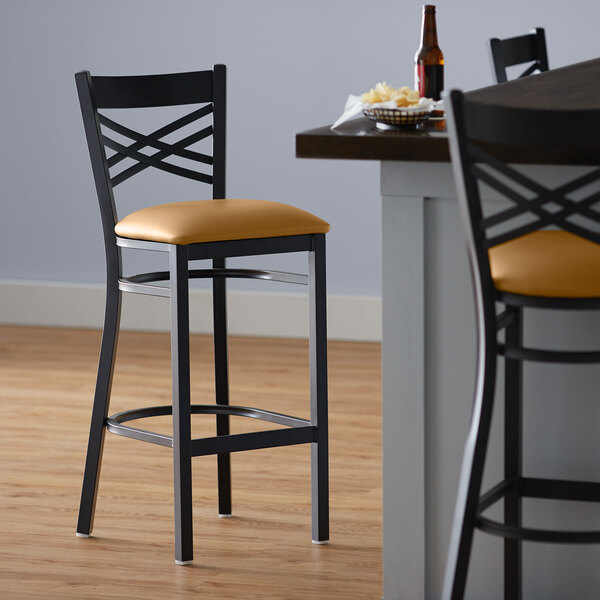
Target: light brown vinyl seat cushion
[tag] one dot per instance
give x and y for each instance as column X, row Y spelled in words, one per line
column 555, row 264
column 197, row 221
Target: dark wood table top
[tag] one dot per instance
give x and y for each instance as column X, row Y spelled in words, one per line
column 576, row 86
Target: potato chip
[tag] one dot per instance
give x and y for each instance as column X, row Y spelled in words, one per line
column 413, row 96
column 383, row 92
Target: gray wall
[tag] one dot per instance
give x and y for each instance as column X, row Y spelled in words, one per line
column 291, row 66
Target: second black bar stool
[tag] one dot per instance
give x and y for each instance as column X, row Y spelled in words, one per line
column 542, row 250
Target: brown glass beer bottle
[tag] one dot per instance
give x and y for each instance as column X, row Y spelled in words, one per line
column 429, row 60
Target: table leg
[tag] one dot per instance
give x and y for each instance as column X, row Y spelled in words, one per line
column 403, row 392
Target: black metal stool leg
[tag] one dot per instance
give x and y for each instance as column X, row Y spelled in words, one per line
column 182, row 437
column 318, row 392
column 222, row 384
column 513, row 456
column 469, row 486
column 110, row 334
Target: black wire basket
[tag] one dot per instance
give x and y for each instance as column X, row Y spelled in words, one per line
column 396, row 117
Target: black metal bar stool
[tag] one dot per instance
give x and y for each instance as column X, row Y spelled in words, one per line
column 541, row 250
column 529, row 48
column 213, row 229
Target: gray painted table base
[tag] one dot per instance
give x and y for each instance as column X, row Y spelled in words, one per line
column 428, row 374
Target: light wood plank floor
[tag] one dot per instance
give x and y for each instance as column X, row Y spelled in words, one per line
column 264, row 551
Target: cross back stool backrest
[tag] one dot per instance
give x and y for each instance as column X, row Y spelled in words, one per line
column 486, row 138
column 145, row 91
column 529, row 48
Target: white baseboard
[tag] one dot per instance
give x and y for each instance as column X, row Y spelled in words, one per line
column 269, row 314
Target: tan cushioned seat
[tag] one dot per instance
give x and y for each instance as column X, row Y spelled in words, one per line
column 193, row 222
column 547, row 263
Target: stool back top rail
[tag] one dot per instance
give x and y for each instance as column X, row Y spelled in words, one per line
column 529, row 48
column 521, row 255
column 213, row 229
